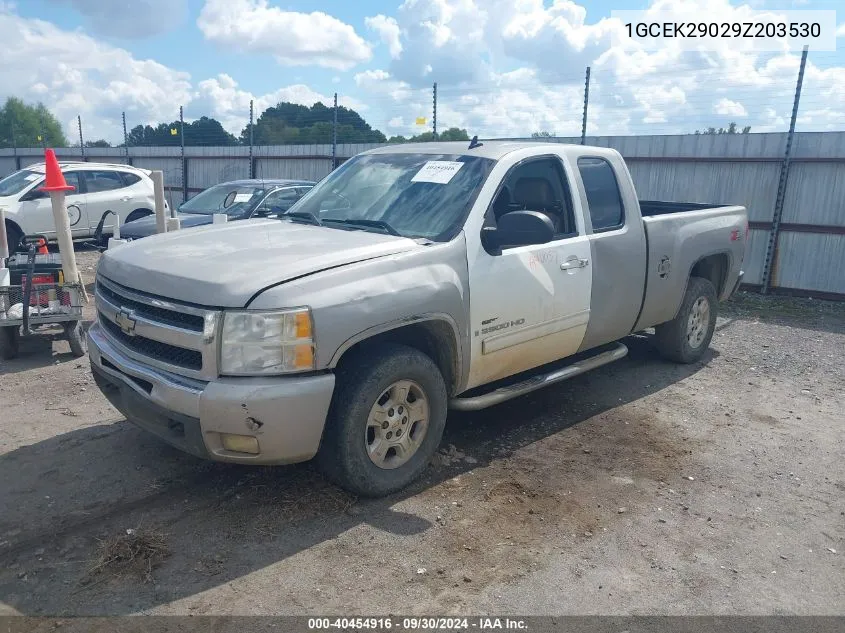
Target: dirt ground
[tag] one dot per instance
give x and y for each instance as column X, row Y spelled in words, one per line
column 640, row 488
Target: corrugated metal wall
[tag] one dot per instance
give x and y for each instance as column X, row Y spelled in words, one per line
column 736, row 169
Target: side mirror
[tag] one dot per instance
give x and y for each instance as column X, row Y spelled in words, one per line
column 520, row 228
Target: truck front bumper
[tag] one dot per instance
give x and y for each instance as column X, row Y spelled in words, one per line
column 285, row 414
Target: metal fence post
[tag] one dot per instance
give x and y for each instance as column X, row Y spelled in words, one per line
column 14, row 141
column 772, row 246
column 126, row 140
column 434, row 112
column 586, row 103
column 81, row 143
column 334, row 134
column 184, row 160
column 251, row 157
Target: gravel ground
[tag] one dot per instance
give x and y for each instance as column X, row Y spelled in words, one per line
column 640, row 488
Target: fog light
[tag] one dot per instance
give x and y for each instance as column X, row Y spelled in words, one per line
column 240, row 443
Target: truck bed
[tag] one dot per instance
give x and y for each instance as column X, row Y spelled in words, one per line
column 677, row 235
column 659, row 207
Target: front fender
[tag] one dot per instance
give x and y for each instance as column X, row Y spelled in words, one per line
column 354, row 302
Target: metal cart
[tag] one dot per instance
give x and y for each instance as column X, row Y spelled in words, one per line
column 40, row 299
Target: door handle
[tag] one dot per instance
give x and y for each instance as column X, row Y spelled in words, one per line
column 573, row 263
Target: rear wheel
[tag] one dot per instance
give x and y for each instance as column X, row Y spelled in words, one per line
column 76, row 337
column 386, row 420
column 137, row 214
column 685, row 338
column 9, row 342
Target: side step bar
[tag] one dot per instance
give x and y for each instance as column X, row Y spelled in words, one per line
column 538, row 382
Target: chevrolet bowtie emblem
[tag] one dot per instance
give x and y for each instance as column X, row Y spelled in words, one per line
column 125, row 320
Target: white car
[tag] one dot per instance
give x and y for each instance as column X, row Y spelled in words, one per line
column 98, row 187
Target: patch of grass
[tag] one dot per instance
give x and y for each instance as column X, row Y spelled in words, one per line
column 136, row 552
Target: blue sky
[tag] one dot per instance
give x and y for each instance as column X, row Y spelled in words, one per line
column 504, row 67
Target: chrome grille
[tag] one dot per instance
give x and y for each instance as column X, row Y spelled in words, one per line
column 173, row 336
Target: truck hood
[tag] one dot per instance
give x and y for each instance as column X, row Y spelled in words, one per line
column 224, row 265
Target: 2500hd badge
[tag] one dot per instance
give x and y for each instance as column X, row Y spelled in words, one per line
column 501, row 326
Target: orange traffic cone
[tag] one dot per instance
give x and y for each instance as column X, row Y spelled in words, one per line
column 55, row 180
column 42, row 247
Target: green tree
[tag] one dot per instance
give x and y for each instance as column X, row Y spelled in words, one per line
column 98, row 143
column 452, row 134
column 32, row 126
column 293, row 123
column 731, row 129
column 203, row 131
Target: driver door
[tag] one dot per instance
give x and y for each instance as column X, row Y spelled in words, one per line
column 38, row 210
column 530, row 304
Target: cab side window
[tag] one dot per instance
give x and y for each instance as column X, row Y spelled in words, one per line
column 98, row 181
column 278, row 201
column 537, row 185
column 606, row 210
column 71, row 178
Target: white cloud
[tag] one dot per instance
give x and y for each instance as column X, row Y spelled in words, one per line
column 840, row 32
column 729, row 108
column 136, row 19
column 442, row 39
column 389, row 31
column 74, row 74
column 293, row 38
column 222, row 99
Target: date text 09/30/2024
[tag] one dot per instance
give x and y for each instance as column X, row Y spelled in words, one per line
column 418, row 623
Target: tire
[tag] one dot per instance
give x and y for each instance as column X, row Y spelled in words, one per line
column 76, row 337
column 349, row 437
column 9, row 342
column 13, row 237
column 137, row 214
column 685, row 338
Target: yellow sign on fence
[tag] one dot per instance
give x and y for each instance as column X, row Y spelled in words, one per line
column 420, row 120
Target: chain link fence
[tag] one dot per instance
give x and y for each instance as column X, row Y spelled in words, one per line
column 678, row 140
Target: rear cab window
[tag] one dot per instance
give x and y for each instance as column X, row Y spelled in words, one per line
column 603, row 196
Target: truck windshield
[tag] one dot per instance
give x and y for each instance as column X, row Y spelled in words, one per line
column 225, row 198
column 413, row 195
column 17, row 182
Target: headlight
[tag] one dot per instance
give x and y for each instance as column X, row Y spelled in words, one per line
column 259, row 343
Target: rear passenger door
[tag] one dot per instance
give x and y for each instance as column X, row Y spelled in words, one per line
column 106, row 192
column 617, row 245
column 529, row 305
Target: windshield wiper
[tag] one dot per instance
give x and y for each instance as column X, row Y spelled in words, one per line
column 303, row 215
column 376, row 224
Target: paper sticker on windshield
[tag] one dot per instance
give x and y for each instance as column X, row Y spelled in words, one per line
column 32, row 177
column 242, row 197
column 439, row 171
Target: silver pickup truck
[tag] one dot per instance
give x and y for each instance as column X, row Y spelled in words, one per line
column 411, row 280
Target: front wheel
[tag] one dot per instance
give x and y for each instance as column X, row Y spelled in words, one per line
column 385, row 422
column 685, row 338
column 76, row 338
column 9, row 342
